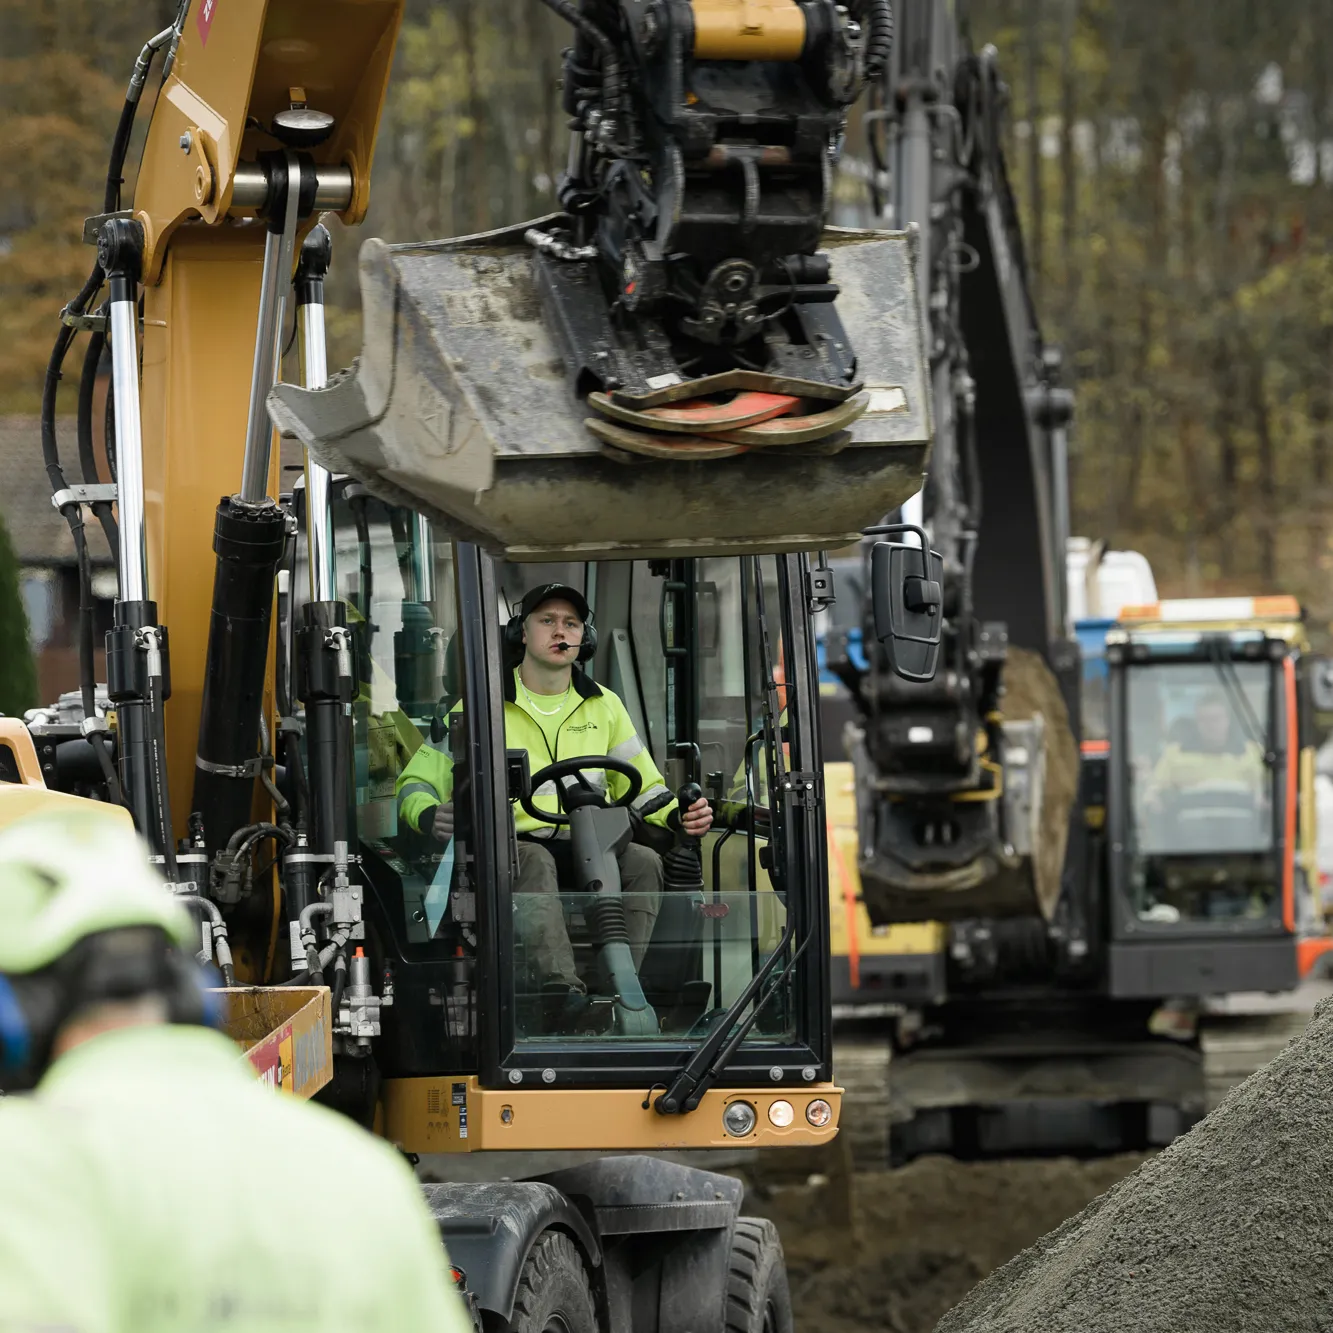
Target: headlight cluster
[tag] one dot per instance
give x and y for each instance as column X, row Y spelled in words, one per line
column 739, row 1117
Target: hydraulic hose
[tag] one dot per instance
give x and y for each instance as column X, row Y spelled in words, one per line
column 87, row 660
column 161, row 790
column 92, row 358
column 613, row 77
column 237, row 853
column 72, row 511
column 339, row 985
column 877, row 15
column 280, row 803
column 218, row 931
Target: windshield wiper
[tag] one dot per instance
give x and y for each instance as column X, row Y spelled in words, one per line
column 1235, row 690
column 707, row 1063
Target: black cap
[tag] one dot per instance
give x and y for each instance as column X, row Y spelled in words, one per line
column 548, row 592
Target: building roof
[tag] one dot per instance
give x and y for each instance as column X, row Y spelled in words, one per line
column 39, row 534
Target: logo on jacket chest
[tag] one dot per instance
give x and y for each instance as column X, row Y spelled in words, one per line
column 582, row 727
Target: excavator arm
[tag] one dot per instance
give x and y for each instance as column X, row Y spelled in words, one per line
column 968, row 780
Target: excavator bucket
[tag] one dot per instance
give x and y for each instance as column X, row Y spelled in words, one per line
column 460, row 406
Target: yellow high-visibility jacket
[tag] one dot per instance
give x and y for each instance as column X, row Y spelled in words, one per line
column 1180, row 769
column 598, row 724
column 111, row 1222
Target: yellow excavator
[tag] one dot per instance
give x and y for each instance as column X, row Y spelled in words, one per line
column 670, row 395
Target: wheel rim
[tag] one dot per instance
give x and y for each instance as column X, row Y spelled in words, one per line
column 556, row 1323
column 770, row 1318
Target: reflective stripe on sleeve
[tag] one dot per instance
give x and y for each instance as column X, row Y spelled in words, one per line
column 626, row 750
column 413, row 788
column 651, row 798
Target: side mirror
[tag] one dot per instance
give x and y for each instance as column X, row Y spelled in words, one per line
column 907, row 594
column 1321, row 684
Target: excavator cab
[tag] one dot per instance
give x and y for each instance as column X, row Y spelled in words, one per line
column 1208, row 796
column 713, row 659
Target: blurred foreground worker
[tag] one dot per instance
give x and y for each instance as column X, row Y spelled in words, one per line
column 148, row 1184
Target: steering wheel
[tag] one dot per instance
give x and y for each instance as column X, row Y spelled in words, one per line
column 573, row 768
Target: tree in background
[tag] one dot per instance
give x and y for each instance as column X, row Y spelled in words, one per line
column 1175, row 168
column 472, row 136
column 18, row 673
column 64, row 68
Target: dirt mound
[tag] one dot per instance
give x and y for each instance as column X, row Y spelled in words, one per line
column 923, row 1236
column 1229, row 1228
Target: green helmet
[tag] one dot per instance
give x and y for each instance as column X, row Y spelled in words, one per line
column 67, row 875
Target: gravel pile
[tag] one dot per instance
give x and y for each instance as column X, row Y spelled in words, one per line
column 924, row 1234
column 1229, row 1230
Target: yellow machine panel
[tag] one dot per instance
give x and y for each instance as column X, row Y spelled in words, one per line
column 850, row 933
column 286, row 1033
column 432, row 1115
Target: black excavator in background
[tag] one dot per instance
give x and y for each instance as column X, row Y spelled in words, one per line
column 1016, row 938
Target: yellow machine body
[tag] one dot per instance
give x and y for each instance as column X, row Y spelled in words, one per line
column 239, row 63
column 866, row 957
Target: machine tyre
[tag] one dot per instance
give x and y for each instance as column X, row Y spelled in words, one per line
column 758, row 1299
column 554, row 1295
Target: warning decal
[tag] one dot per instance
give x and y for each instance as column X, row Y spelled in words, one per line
column 207, row 9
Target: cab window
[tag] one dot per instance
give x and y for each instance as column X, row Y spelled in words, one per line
column 1202, row 810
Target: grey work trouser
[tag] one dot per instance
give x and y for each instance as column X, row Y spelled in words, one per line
column 539, row 917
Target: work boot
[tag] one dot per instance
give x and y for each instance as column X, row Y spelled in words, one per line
column 569, row 1011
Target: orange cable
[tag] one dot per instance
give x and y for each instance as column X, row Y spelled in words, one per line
column 1293, row 756
column 849, row 905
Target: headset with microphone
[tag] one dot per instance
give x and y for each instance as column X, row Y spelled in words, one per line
column 513, row 633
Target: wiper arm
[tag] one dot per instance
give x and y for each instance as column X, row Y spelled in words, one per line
column 688, row 1087
column 1231, row 683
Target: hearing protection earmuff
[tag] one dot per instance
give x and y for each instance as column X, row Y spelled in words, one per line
column 514, row 638
column 107, row 966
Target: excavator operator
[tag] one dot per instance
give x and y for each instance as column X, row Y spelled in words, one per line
column 552, row 706
column 1206, row 750
column 132, row 1162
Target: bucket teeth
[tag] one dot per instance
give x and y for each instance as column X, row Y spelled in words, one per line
column 692, row 448
column 700, row 416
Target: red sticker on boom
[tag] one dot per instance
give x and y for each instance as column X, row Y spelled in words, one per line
column 205, row 19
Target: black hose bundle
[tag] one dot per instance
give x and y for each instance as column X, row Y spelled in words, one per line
column 72, row 510
column 877, row 18
column 92, row 359
column 613, row 72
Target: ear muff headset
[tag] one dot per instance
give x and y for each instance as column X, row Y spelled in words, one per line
column 15, row 1034
column 114, row 965
column 514, row 638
